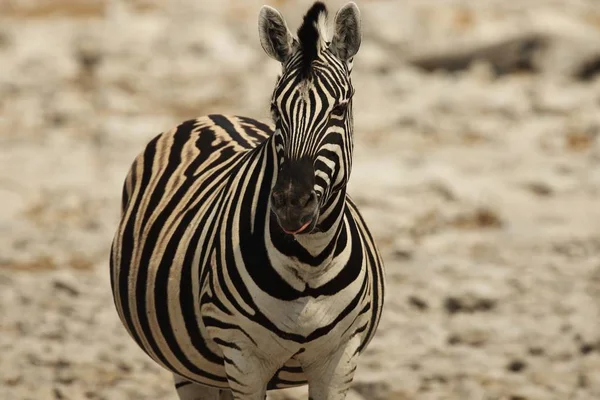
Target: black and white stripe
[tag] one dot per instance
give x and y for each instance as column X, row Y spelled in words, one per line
column 204, row 277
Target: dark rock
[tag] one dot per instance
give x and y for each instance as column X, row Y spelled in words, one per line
column 66, row 287
column 455, row 305
column 418, row 303
column 403, row 254
column 587, row 348
column 454, row 340
column 516, row 366
column 506, row 57
column 589, row 69
column 540, row 189
column 536, row 351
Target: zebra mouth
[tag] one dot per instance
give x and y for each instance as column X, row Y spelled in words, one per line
column 295, row 219
column 299, row 230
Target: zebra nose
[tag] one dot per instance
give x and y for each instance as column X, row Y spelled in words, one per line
column 293, row 201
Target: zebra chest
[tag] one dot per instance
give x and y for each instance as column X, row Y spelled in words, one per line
column 302, row 316
column 306, row 315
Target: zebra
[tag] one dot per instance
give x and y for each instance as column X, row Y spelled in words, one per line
column 240, row 264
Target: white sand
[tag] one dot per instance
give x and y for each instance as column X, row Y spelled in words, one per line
column 483, row 194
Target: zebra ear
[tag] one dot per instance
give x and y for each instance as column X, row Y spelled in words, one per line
column 347, row 32
column 275, row 37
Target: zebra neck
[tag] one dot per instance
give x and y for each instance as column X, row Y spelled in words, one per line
column 328, row 228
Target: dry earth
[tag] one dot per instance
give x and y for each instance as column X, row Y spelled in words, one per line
column 482, row 188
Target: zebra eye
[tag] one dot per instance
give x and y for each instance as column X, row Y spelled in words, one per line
column 339, row 109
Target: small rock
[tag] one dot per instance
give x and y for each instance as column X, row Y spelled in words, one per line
column 453, row 305
column 516, row 366
column 587, row 348
column 480, row 218
column 66, row 287
column 536, row 351
column 457, row 304
column 58, row 394
column 418, row 303
column 517, row 397
column 454, row 340
column 402, row 254
column 540, row 189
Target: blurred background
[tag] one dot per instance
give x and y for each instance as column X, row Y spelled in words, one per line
column 477, row 167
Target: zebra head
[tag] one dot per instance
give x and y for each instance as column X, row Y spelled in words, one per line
column 312, row 110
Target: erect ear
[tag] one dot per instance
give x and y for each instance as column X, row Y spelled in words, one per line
column 275, row 37
column 347, row 32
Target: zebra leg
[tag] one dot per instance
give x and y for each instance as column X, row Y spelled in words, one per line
column 247, row 374
column 187, row 390
column 331, row 378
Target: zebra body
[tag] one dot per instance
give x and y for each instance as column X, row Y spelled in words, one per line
column 227, row 291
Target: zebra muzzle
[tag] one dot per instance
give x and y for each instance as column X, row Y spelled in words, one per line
column 294, row 216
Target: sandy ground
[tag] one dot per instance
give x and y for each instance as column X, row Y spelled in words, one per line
column 482, row 191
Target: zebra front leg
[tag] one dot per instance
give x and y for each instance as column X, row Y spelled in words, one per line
column 247, row 374
column 331, row 378
column 187, row 390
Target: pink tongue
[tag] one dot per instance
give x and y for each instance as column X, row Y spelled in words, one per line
column 303, row 227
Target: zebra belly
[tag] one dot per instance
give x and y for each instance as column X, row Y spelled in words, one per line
column 314, row 337
column 201, row 360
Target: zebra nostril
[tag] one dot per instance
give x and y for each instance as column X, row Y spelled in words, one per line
column 277, row 200
column 312, row 199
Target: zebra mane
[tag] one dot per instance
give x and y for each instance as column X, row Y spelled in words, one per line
column 311, row 35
